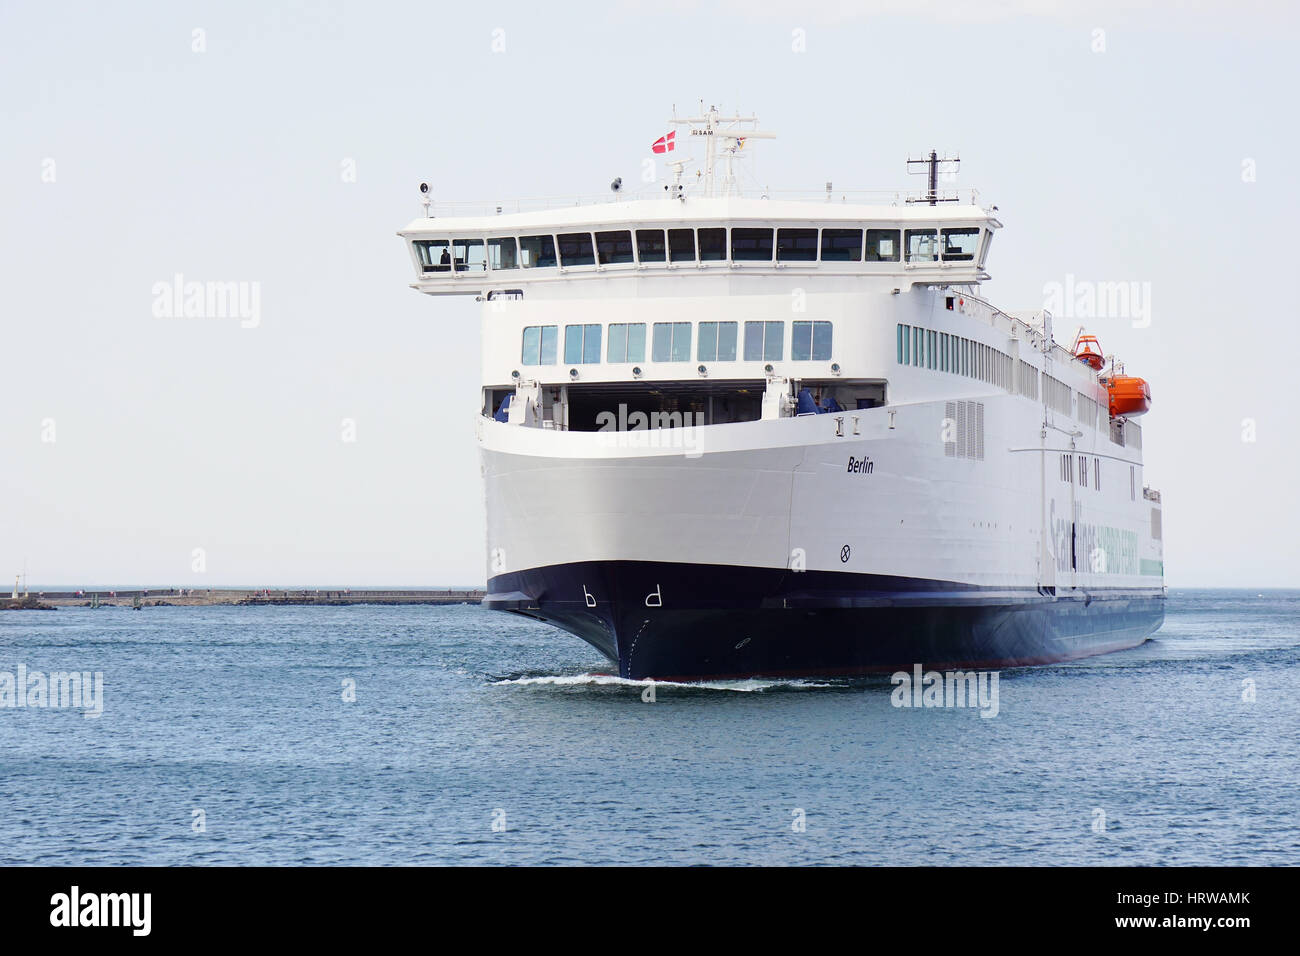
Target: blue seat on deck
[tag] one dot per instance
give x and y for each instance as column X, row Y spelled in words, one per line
column 806, row 405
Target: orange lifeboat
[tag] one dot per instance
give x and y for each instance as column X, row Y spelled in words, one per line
column 1088, row 351
column 1129, row 395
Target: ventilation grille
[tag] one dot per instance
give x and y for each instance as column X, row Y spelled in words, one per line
column 963, row 430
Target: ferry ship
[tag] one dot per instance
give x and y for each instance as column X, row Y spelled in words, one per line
column 727, row 432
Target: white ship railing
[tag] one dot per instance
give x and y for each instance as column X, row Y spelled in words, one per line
column 875, row 196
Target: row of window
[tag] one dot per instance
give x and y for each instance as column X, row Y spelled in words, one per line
column 745, row 244
column 1058, row 396
column 671, row 342
column 926, row 348
column 1086, row 410
column 1069, row 469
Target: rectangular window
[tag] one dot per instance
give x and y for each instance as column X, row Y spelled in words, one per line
column 681, row 245
column 1096, row 473
column 943, row 351
column 537, row 252
column 576, row 249
column 764, row 341
column 918, row 337
column 922, row 245
column 822, row 333
column 503, row 254
column 717, row 342
column 1083, row 471
column 796, row 245
column 581, row 344
column 751, row 245
column 882, row 245
column 613, row 248
column 902, row 336
column 841, row 245
column 650, row 245
column 931, row 351
column 713, row 245
column 435, row 255
column 810, row 341
column 626, row 342
column 539, row 345
column 672, row 342
column 469, row 255
column 959, row 245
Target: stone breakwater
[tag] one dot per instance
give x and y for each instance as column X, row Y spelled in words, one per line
column 204, row 597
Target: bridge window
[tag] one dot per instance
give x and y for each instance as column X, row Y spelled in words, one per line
column 576, row 250
column 537, row 252
column 751, row 245
column 503, row 254
column 959, row 244
column 717, row 342
column 810, row 340
column 882, row 245
column 672, row 342
column 681, row 245
column 764, row 341
column 796, row 245
column 922, row 245
column 539, row 345
column 626, row 342
column 581, row 344
column 650, row 246
column 904, row 340
column 613, row 248
column 841, row 245
column 469, row 255
column 713, row 245
column 435, row 255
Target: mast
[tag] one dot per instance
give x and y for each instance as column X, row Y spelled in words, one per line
column 733, row 131
column 930, row 166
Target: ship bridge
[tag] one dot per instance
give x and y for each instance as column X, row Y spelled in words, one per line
column 699, row 295
column 548, row 252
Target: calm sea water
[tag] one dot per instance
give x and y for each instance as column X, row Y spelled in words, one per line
column 463, row 717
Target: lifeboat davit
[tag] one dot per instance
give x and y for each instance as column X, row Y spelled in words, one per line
column 1088, row 351
column 1129, row 395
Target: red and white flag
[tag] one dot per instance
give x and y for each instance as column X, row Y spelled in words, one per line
column 665, row 144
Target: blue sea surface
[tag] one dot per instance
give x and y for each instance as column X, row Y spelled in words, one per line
column 477, row 737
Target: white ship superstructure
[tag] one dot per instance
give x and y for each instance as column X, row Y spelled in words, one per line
column 730, row 435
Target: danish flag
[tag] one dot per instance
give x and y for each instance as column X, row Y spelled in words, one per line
column 665, row 144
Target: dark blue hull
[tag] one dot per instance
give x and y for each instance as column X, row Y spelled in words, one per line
column 690, row 622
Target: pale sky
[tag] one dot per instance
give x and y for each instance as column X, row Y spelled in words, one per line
column 282, row 145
